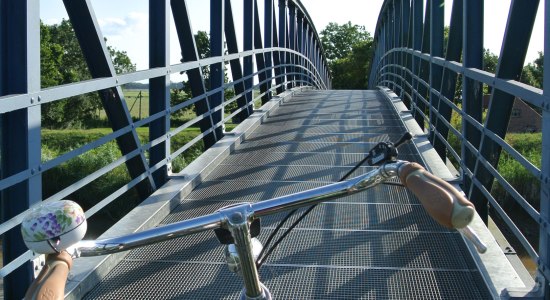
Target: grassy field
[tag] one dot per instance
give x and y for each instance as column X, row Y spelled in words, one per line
column 137, row 102
column 57, row 142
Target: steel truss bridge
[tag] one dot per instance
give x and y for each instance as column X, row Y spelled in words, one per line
column 294, row 133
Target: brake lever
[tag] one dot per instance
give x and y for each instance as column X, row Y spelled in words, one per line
column 386, row 151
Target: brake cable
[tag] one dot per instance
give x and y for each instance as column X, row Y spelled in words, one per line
column 382, row 152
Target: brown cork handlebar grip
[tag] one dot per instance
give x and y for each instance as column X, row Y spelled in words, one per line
column 441, row 200
column 50, row 283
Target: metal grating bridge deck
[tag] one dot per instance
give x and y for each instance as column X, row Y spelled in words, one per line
column 379, row 244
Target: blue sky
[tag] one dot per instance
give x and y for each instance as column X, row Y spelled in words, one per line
column 124, row 22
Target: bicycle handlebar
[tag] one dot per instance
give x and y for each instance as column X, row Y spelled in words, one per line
column 440, row 199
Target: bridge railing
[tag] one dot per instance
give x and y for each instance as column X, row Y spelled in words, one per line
column 439, row 86
column 288, row 55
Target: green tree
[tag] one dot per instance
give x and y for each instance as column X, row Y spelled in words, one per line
column 121, row 61
column 532, row 73
column 62, row 62
column 202, row 41
column 338, row 40
column 349, row 49
column 350, row 72
column 490, row 61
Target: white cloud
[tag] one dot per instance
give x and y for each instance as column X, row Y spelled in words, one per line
column 128, row 34
column 111, row 26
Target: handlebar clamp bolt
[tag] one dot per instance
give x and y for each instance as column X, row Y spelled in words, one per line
column 236, row 217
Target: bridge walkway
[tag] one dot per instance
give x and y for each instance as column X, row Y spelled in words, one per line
column 379, row 244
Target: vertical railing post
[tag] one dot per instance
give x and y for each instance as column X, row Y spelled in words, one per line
column 279, row 80
column 424, row 69
column 189, row 53
column 310, row 53
column 386, row 37
column 292, row 40
column 406, row 59
column 472, row 92
column 268, row 41
column 20, row 136
column 217, row 72
column 282, row 40
column 397, row 55
column 299, row 45
column 437, row 25
column 159, row 88
column 544, row 238
column 235, row 64
column 393, row 39
column 318, row 58
column 449, row 78
column 248, row 44
column 260, row 58
column 417, row 11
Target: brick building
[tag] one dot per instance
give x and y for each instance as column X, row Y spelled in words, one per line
column 523, row 119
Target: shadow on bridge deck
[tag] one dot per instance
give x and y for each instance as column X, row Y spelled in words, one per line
column 378, row 244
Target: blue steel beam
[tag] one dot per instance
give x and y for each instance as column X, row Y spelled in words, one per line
column 292, row 41
column 423, row 69
column 407, row 58
column 448, row 82
column 398, row 28
column 544, row 238
column 20, row 129
column 235, row 64
column 310, row 49
column 416, row 20
column 217, row 70
column 282, row 37
column 437, row 25
column 189, row 54
column 396, row 24
column 159, row 87
column 300, row 45
column 472, row 91
column 268, row 41
column 385, row 44
column 260, row 58
column 99, row 63
column 520, row 24
column 279, row 79
column 248, row 44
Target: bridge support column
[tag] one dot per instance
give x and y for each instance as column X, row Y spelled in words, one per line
column 217, row 70
column 159, row 88
column 20, row 129
column 248, row 44
column 544, row 238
